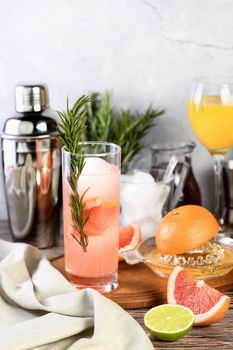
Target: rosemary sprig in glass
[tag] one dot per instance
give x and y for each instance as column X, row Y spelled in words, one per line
column 71, row 127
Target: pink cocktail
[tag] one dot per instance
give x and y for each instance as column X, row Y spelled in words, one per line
column 97, row 266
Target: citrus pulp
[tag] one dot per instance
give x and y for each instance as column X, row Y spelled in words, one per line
column 129, row 237
column 169, row 322
column 208, row 304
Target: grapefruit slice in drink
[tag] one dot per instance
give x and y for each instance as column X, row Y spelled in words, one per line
column 129, row 237
column 92, row 202
column 207, row 303
column 99, row 216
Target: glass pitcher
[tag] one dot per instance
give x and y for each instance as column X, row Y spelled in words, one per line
column 186, row 187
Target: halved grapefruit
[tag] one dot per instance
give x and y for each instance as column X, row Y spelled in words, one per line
column 207, row 303
column 185, row 228
column 129, row 237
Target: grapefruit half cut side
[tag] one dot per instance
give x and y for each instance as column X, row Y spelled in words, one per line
column 129, row 237
column 207, row 303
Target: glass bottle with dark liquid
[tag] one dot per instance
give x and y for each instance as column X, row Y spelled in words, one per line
column 227, row 205
column 184, row 177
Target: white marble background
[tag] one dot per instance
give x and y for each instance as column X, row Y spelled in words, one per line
column 144, row 51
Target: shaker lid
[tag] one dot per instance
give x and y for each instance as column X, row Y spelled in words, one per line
column 29, row 128
column 30, row 98
column 32, row 125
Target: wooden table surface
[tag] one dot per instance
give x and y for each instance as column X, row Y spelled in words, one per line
column 218, row 336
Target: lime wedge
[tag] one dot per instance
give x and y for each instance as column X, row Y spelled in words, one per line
column 169, row 322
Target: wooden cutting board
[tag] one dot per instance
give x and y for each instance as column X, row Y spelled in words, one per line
column 139, row 287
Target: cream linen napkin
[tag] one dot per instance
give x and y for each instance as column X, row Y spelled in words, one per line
column 39, row 309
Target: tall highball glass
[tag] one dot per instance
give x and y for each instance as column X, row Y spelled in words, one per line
column 99, row 183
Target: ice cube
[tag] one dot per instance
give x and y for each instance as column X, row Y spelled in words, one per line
column 141, row 177
column 96, row 166
column 142, row 201
column 100, row 179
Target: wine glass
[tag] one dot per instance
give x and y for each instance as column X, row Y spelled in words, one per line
column 211, row 116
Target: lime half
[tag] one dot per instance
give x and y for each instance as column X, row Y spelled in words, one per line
column 169, row 322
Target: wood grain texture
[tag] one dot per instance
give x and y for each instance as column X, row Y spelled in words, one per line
column 218, row 336
column 139, row 287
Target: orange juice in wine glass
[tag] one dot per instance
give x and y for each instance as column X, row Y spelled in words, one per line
column 212, row 122
column 211, row 116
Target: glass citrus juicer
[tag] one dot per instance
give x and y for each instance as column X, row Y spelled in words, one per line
column 207, row 260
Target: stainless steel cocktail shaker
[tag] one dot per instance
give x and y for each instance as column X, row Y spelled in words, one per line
column 31, row 170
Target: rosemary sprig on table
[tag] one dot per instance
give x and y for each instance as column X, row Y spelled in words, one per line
column 71, row 127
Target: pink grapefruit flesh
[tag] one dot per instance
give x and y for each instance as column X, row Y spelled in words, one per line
column 207, row 303
column 129, row 237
